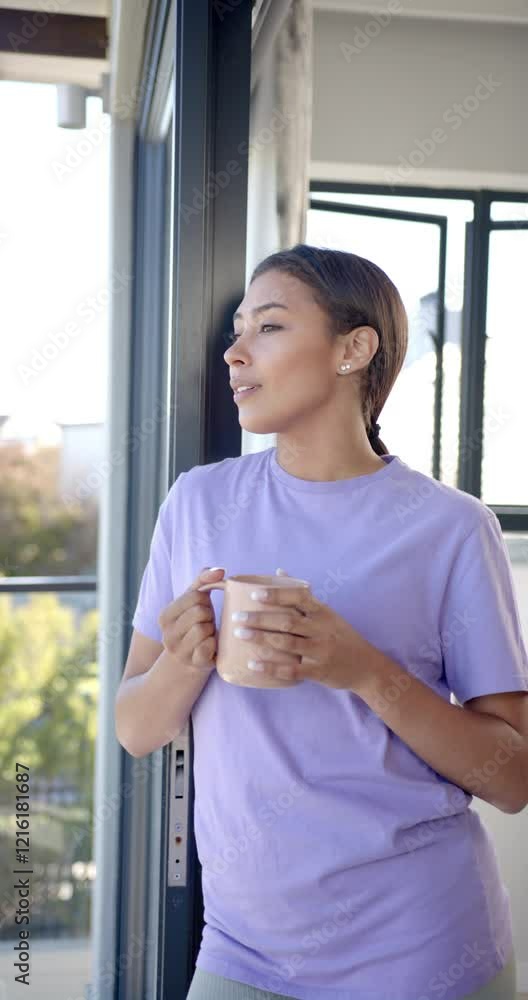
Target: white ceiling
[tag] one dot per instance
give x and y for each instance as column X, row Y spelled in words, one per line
column 490, row 11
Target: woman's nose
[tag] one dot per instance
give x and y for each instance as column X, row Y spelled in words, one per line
column 234, row 352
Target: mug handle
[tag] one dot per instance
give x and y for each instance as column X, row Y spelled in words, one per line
column 211, row 586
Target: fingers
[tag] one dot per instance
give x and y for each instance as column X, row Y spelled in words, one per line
column 282, row 644
column 204, row 656
column 206, row 575
column 195, row 623
column 267, row 654
column 190, row 597
column 298, row 597
column 286, row 620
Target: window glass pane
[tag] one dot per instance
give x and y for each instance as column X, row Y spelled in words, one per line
column 504, row 477
column 504, row 211
column 385, row 242
column 406, row 257
column 53, row 398
column 53, row 376
column 517, row 545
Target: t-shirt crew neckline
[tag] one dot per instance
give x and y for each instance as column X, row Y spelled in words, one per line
column 333, row 486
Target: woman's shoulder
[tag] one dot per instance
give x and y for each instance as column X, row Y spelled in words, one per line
column 440, row 502
column 224, row 473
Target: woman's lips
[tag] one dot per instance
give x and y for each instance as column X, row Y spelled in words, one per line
column 238, row 395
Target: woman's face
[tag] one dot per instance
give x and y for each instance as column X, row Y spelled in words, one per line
column 285, row 350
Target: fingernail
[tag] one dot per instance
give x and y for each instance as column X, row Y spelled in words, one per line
column 214, row 569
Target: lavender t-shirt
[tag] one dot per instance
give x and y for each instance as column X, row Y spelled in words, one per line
column 336, row 863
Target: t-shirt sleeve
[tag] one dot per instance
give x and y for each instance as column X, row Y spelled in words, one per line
column 480, row 629
column 156, row 589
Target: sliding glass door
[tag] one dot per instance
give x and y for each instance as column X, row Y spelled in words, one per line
column 190, row 260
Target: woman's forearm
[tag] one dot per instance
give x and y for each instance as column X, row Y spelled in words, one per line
column 481, row 753
column 152, row 708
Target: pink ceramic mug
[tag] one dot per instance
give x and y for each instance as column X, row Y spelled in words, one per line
column 233, row 653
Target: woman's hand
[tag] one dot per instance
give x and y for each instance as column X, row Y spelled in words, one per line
column 326, row 648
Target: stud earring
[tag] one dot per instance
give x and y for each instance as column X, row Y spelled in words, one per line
column 344, row 367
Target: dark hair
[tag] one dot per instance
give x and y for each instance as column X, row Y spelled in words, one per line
column 353, row 291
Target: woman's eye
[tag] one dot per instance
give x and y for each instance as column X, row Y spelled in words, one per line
column 234, row 336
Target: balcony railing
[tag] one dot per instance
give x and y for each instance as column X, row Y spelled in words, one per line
column 48, row 724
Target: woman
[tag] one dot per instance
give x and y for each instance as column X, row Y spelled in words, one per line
column 341, row 858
